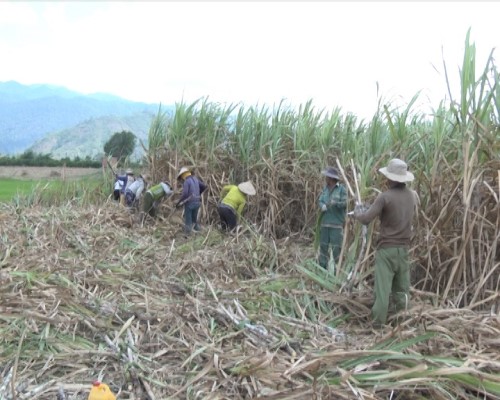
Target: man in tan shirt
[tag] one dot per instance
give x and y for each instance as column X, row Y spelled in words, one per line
column 395, row 207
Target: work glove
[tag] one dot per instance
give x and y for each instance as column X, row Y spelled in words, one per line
column 181, row 203
column 323, row 208
column 359, row 209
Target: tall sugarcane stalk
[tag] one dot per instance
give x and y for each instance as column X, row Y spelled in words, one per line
column 364, row 233
column 364, row 230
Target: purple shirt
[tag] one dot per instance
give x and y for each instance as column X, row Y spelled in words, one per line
column 192, row 190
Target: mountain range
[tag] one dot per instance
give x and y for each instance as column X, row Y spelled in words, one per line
column 54, row 120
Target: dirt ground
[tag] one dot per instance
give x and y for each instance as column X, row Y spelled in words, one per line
column 45, row 172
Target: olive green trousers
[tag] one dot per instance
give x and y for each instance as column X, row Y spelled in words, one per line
column 149, row 204
column 329, row 238
column 392, row 277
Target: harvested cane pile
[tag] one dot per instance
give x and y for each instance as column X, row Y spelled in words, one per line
column 87, row 293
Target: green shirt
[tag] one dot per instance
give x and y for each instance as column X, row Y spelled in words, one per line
column 336, row 202
column 233, row 197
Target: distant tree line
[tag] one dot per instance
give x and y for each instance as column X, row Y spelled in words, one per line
column 31, row 159
column 120, row 145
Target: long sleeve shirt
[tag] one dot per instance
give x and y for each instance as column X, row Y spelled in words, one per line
column 120, row 183
column 128, row 182
column 137, row 187
column 234, row 198
column 192, row 190
column 335, row 200
column 396, row 208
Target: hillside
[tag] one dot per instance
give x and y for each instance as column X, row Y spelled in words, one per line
column 88, row 137
column 30, row 112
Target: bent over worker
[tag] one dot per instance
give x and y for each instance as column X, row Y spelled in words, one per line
column 332, row 203
column 154, row 195
column 120, row 183
column 134, row 191
column 395, row 207
column 233, row 201
column 129, row 179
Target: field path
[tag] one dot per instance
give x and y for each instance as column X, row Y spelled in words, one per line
column 44, row 172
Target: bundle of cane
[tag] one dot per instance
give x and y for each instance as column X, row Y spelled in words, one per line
column 364, row 234
column 364, row 230
column 353, row 195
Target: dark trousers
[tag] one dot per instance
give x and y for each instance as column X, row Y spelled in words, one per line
column 227, row 216
column 129, row 198
column 191, row 217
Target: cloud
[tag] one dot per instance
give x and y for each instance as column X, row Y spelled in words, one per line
column 19, row 15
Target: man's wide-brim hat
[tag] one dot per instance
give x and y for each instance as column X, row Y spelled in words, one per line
column 247, row 188
column 397, row 171
column 331, row 172
column 183, row 169
column 129, row 172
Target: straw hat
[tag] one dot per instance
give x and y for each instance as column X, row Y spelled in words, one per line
column 183, row 169
column 397, row 171
column 331, row 172
column 247, row 188
column 129, row 171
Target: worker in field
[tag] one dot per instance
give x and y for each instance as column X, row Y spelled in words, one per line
column 128, row 181
column 119, row 185
column 332, row 203
column 234, row 198
column 192, row 188
column 154, row 195
column 134, row 191
column 395, row 207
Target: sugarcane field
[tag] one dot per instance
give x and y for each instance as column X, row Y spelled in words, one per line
column 94, row 291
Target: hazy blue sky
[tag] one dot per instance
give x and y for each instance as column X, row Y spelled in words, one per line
column 251, row 52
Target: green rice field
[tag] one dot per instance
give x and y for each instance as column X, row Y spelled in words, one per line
column 10, row 188
column 54, row 191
